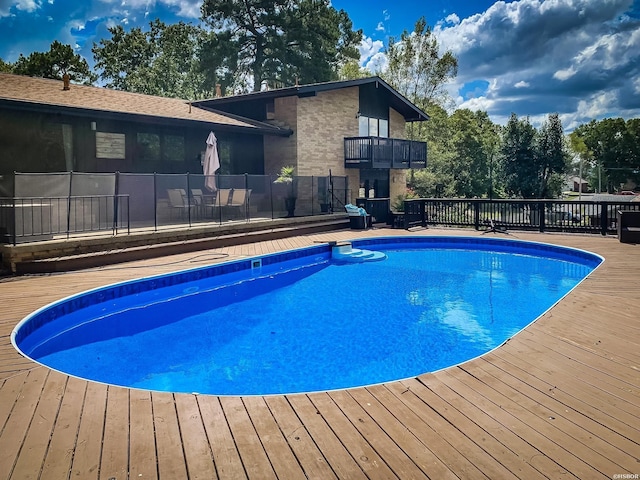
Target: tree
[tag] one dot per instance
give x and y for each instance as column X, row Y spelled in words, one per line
column 615, row 147
column 462, row 149
column 518, row 170
column 582, row 154
column 5, row 67
column 352, row 71
column 431, row 181
column 417, row 69
column 471, row 155
column 162, row 61
column 282, row 41
column 59, row 60
column 551, row 155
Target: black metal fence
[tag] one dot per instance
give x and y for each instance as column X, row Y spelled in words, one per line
column 538, row 215
column 35, row 207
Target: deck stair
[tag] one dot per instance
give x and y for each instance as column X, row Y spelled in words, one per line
column 344, row 251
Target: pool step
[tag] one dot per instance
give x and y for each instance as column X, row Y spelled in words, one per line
column 344, row 251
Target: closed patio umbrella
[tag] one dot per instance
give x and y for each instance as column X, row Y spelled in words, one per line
column 211, row 162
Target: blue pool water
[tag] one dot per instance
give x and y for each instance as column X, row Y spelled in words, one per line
column 300, row 322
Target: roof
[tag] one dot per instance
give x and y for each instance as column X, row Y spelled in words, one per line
column 610, row 197
column 398, row 102
column 47, row 95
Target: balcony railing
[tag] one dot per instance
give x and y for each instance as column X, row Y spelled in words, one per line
column 377, row 152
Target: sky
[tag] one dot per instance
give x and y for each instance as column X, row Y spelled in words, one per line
column 577, row 58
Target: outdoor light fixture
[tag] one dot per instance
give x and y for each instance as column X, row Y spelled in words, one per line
column 93, row 126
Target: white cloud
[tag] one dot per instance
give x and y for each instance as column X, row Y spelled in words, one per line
column 452, row 19
column 476, row 103
column 380, row 27
column 386, row 15
column 368, row 48
column 568, row 56
column 185, row 8
column 564, row 74
column 21, row 5
column 377, row 63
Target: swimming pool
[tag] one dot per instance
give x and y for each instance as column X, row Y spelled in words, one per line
column 298, row 321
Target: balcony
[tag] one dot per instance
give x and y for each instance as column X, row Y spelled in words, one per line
column 378, row 152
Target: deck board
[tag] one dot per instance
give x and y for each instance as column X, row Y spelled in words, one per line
column 170, row 452
column 558, row 400
column 142, row 447
column 252, row 453
column 225, row 455
column 86, row 456
column 194, row 439
column 57, row 463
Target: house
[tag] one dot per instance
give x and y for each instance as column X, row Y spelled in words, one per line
column 352, row 128
column 577, row 184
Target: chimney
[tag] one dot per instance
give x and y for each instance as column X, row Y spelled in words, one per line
column 218, row 90
column 65, row 82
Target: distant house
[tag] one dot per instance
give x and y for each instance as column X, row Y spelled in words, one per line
column 354, row 128
column 577, row 184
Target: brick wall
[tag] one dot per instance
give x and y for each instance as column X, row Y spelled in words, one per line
column 323, row 122
column 281, row 151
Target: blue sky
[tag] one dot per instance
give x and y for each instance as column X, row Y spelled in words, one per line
column 579, row 58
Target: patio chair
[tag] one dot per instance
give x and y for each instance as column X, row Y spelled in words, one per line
column 239, row 200
column 223, row 196
column 199, row 200
column 177, row 201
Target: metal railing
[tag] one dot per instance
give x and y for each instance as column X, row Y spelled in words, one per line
column 379, row 152
column 539, row 215
column 24, row 219
column 155, row 202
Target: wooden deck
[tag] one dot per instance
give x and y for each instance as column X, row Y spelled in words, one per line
column 559, row 400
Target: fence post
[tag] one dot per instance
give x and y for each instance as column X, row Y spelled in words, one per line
column 188, row 200
column 247, row 198
column 115, row 203
column 69, row 203
column 271, row 195
column 476, row 214
column 423, row 216
column 542, row 209
column 604, row 217
column 155, row 203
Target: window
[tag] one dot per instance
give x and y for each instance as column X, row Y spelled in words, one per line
column 173, row 148
column 373, row 127
column 383, row 128
column 363, row 126
column 147, row 153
